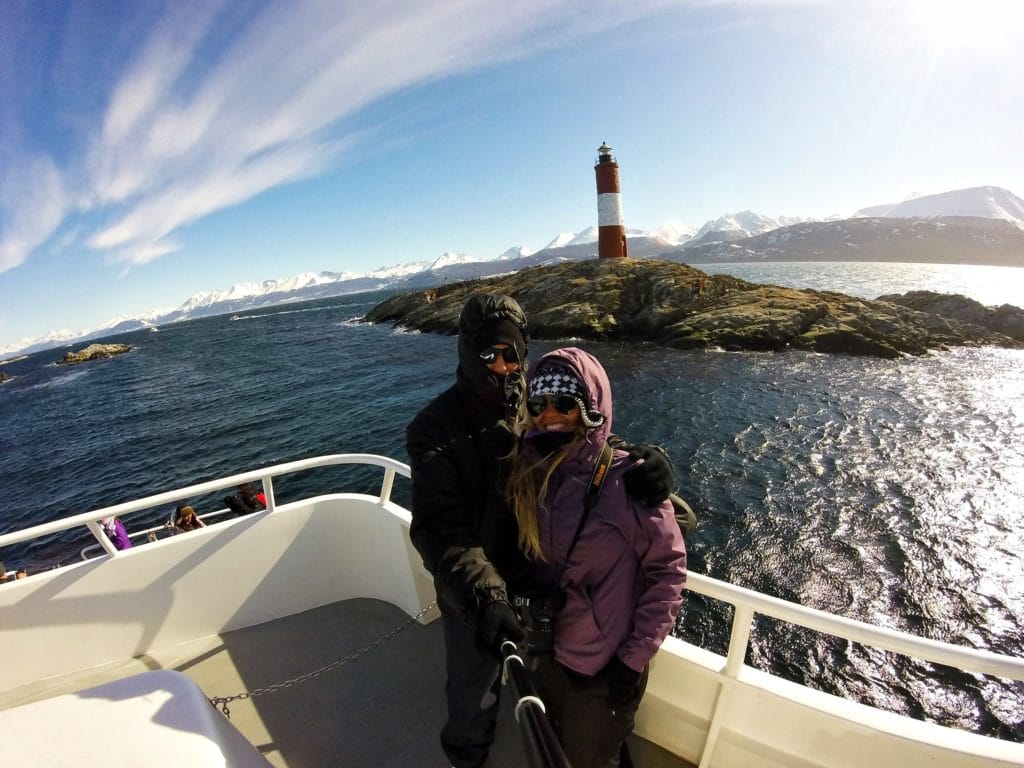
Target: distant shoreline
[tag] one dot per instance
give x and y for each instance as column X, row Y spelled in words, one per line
column 257, row 303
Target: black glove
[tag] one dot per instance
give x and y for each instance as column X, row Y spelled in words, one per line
column 496, row 623
column 466, row 582
column 623, row 683
column 652, row 481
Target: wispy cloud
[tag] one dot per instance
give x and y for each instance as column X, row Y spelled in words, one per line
column 214, row 109
column 33, row 197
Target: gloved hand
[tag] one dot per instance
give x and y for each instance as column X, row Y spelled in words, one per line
column 496, row 623
column 466, row 582
column 652, row 481
column 623, row 683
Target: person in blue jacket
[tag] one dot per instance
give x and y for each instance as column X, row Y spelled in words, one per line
column 608, row 570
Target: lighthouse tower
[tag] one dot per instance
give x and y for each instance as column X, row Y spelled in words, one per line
column 611, row 232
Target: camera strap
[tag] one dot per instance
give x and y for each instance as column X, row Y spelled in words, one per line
column 604, row 461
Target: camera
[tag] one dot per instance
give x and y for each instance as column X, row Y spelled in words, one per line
column 538, row 613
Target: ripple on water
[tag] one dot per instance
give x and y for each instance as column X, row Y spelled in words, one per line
column 888, row 491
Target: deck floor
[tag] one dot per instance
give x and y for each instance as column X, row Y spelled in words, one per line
column 383, row 709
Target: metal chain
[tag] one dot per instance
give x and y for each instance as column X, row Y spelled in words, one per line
column 223, row 701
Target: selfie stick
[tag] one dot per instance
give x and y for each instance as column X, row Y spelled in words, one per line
column 542, row 747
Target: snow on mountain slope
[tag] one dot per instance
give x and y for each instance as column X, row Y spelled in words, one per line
column 585, row 237
column 984, row 202
column 301, row 280
column 673, row 232
column 448, row 258
column 560, row 241
column 979, row 202
column 516, row 252
column 746, row 224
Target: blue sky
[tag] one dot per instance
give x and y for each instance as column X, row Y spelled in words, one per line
column 150, row 150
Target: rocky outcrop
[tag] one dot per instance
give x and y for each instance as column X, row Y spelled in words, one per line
column 4, row 378
column 94, row 352
column 1006, row 319
column 678, row 306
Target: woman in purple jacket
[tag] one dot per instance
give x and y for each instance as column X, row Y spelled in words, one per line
column 609, row 570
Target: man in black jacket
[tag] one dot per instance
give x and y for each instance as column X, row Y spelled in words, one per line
column 462, row 526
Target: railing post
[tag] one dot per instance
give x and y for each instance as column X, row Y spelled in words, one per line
column 268, row 491
column 101, row 537
column 385, row 486
column 739, row 637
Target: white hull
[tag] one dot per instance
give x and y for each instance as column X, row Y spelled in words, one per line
column 710, row 710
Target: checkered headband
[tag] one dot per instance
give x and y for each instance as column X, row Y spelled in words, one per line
column 553, row 378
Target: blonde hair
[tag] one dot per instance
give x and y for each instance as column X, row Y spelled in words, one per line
column 527, row 485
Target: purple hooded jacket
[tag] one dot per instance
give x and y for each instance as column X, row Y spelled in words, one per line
column 116, row 532
column 624, row 582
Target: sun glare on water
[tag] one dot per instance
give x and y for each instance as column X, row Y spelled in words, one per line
column 976, row 25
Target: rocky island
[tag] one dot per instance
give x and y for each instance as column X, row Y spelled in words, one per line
column 678, row 306
column 93, row 352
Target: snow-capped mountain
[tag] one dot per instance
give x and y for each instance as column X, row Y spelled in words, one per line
column 589, row 236
column 516, row 252
column 736, row 226
column 673, row 233
column 448, row 258
column 881, row 210
column 977, row 202
column 241, row 291
column 934, row 240
column 734, row 237
column 561, row 240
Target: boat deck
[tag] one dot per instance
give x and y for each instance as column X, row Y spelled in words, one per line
column 383, row 709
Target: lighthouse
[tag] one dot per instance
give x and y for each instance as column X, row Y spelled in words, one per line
column 611, row 232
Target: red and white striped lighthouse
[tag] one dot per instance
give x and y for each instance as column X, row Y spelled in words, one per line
column 611, row 231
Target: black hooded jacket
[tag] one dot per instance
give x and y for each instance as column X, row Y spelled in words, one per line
column 461, row 525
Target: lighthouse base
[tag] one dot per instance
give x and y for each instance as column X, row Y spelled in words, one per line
column 611, row 243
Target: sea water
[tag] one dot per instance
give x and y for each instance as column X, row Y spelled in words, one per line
column 886, row 491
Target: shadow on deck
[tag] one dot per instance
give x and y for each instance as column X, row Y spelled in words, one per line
column 384, row 709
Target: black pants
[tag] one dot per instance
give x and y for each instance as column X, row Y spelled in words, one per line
column 474, row 680
column 593, row 734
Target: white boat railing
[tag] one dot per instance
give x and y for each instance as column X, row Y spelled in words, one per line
column 153, row 532
column 265, row 476
column 747, row 604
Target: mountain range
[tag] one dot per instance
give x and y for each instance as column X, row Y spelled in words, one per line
column 980, row 225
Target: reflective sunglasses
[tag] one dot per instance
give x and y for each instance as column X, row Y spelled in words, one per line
column 491, row 355
column 564, row 404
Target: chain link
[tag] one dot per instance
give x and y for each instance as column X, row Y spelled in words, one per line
column 223, row 701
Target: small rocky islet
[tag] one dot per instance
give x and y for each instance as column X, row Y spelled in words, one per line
column 676, row 305
column 94, row 352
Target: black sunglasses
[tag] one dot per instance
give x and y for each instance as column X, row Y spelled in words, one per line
column 491, row 355
column 564, row 404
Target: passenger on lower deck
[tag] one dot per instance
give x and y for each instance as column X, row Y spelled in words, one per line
column 116, row 532
column 186, row 519
column 6, row 575
column 246, row 500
